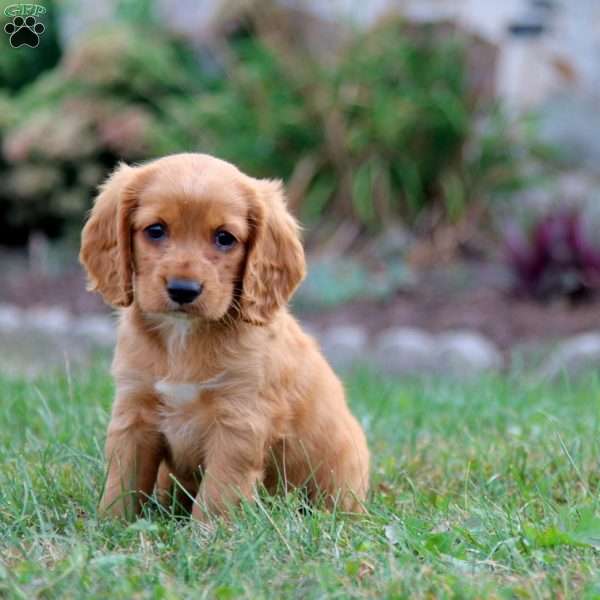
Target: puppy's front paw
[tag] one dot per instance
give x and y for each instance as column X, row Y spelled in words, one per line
column 121, row 506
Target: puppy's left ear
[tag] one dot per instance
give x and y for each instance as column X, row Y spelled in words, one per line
column 275, row 263
column 106, row 240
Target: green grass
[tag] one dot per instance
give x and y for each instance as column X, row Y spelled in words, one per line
column 480, row 489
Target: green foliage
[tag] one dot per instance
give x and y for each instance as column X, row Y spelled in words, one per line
column 481, row 489
column 67, row 129
column 404, row 101
column 255, row 118
column 136, row 11
column 388, row 130
column 333, row 281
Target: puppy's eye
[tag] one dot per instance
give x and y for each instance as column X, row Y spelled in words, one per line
column 156, row 232
column 224, row 240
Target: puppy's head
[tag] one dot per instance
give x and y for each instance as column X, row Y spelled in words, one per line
column 191, row 236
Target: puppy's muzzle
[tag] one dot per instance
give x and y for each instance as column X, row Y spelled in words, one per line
column 183, row 291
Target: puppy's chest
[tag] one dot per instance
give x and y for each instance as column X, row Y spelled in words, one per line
column 186, row 411
column 178, row 396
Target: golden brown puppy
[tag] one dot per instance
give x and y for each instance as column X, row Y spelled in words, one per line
column 216, row 383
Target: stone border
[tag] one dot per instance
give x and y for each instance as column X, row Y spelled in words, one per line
column 396, row 351
column 410, row 351
column 55, row 321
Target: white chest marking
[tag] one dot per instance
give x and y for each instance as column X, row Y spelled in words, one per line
column 177, row 394
column 181, row 394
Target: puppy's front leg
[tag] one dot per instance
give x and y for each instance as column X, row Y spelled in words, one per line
column 233, row 466
column 134, row 449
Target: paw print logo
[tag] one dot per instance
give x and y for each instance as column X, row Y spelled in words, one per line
column 24, row 32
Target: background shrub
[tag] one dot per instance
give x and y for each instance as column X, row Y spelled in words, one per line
column 390, row 129
column 62, row 133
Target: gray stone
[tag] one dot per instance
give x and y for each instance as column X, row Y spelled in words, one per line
column 466, row 353
column 311, row 329
column 344, row 346
column 52, row 320
column 96, row 328
column 404, row 350
column 573, row 356
column 11, row 317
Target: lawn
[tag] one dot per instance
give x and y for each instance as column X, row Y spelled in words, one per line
column 481, row 489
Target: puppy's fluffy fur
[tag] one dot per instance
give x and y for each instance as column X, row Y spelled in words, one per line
column 228, row 391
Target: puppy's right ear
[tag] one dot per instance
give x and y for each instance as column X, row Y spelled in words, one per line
column 106, row 239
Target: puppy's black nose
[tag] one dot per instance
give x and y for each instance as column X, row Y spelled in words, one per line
column 183, row 291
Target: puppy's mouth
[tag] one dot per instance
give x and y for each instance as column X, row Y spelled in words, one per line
column 186, row 311
column 193, row 310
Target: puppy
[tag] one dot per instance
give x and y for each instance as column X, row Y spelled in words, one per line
column 217, row 386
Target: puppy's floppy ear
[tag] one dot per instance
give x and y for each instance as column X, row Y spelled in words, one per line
column 106, row 239
column 275, row 261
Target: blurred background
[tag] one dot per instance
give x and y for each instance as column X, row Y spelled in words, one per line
column 442, row 155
